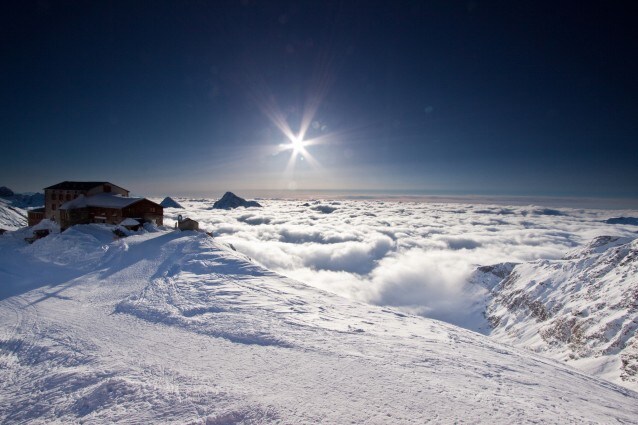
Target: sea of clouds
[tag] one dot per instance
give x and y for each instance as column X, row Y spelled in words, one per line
column 415, row 256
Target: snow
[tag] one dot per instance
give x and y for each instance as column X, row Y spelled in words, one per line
column 102, row 200
column 419, row 257
column 11, row 218
column 582, row 309
column 175, row 327
column 129, row 222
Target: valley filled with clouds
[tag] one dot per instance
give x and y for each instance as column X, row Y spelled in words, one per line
column 416, row 256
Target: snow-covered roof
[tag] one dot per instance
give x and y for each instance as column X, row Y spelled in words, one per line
column 103, row 200
column 129, row 222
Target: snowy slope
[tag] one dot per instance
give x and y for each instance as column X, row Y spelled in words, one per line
column 11, row 217
column 582, row 309
column 172, row 327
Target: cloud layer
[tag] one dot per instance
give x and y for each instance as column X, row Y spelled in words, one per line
column 411, row 255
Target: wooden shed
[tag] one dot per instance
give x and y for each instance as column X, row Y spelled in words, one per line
column 187, row 224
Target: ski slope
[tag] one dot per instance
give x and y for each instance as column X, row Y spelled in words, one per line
column 173, row 327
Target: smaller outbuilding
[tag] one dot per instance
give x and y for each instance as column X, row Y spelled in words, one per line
column 187, row 224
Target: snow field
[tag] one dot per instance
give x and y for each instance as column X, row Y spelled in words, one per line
column 174, row 327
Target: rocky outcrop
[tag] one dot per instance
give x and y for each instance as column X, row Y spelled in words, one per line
column 231, row 201
column 169, row 202
column 583, row 306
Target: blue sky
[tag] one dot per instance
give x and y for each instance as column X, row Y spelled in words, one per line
column 511, row 98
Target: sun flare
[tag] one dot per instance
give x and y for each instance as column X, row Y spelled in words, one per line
column 297, row 144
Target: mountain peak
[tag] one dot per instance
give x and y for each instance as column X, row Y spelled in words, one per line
column 231, row 201
column 169, row 202
column 5, row 192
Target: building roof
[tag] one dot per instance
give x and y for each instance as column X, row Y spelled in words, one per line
column 67, row 185
column 102, row 200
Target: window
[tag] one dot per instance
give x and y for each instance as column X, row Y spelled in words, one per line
column 53, row 207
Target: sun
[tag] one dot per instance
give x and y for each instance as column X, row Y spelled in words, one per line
column 298, row 151
column 297, row 144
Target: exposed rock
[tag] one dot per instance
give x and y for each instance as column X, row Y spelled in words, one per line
column 231, row 201
column 584, row 305
column 490, row 276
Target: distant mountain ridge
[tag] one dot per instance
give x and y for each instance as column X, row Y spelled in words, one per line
column 21, row 200
column 633, row 221
column 13, row 206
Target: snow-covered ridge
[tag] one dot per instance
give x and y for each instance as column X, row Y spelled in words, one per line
column 13, row 206
column 582, row 308
column 11, row 218
column 174, row 327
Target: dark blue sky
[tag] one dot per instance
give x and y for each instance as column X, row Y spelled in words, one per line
column 478, row 97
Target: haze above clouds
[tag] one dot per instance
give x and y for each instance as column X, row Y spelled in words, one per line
column 411, row 255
